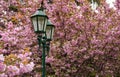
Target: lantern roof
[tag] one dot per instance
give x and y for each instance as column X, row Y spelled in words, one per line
column 49, row 23
column 39, row 12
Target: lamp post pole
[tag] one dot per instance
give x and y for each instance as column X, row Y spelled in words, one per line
column 43, row 61
column 42, row 43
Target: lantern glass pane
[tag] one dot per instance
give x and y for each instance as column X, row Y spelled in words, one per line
column 48, row 32
column 45, row 22
column 34, row 21
column 52, row 32
column 40, row 23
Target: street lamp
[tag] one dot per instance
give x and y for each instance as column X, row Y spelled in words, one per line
column 44, row 30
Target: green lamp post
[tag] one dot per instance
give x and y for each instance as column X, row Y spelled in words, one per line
column 44, row 30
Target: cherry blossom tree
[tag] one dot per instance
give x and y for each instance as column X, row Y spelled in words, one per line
column 16, row 38
column 86, row 42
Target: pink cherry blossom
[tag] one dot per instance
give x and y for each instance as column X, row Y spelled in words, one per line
column 2, row 67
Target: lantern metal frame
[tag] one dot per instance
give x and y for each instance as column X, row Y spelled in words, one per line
column 37, row 15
